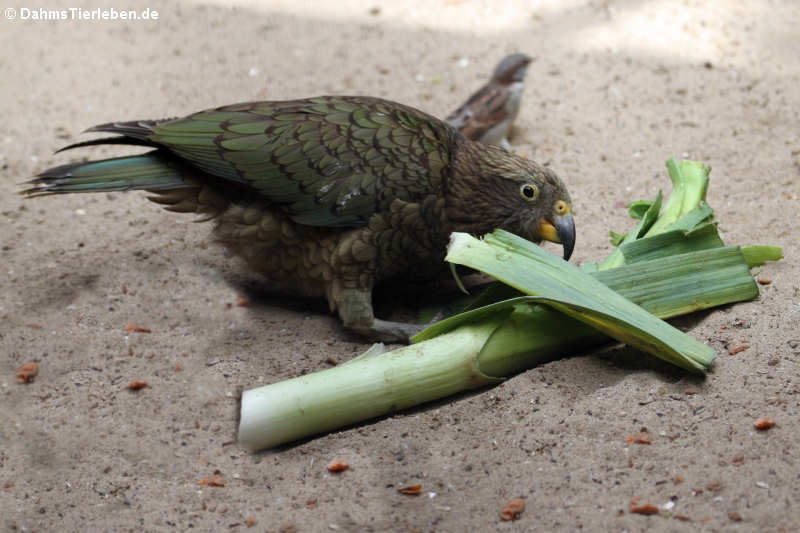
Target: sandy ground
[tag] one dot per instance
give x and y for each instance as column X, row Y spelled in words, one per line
column 617, row 87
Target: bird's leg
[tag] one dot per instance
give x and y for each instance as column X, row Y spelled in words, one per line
column 355, row 310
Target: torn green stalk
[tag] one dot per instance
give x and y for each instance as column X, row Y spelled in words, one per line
column 685, row 209
column 665, row 287
column 564, row 287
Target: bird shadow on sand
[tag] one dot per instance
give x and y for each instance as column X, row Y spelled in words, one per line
column 399, row 301
column 260, row 293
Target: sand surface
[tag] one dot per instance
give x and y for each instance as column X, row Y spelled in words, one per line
column 617, row 87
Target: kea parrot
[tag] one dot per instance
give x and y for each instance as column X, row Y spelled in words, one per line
column 329, row 196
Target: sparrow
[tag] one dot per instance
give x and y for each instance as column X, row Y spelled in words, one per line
column 488, row 114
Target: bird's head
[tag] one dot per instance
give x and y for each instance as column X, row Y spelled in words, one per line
column 504, row 190
column 511, row 69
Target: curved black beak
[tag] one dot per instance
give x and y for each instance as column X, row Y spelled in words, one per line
column 565, row 230
column 561, row 230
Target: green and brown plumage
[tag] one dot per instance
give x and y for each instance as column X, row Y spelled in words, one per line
column 329, row 196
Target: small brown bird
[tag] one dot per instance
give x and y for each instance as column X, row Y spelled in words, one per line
column 329, row 196
column 489, row 113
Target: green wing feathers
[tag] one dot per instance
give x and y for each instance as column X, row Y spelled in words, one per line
column 327, row 161
column 330, row 161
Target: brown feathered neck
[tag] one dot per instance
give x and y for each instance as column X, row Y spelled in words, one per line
column 477, row 177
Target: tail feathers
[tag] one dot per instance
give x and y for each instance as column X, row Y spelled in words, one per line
column 141, row 172
column 171, row 184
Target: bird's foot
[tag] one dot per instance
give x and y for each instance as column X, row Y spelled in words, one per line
column 355, row 310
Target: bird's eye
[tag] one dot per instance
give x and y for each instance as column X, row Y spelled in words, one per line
column 528, row 191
